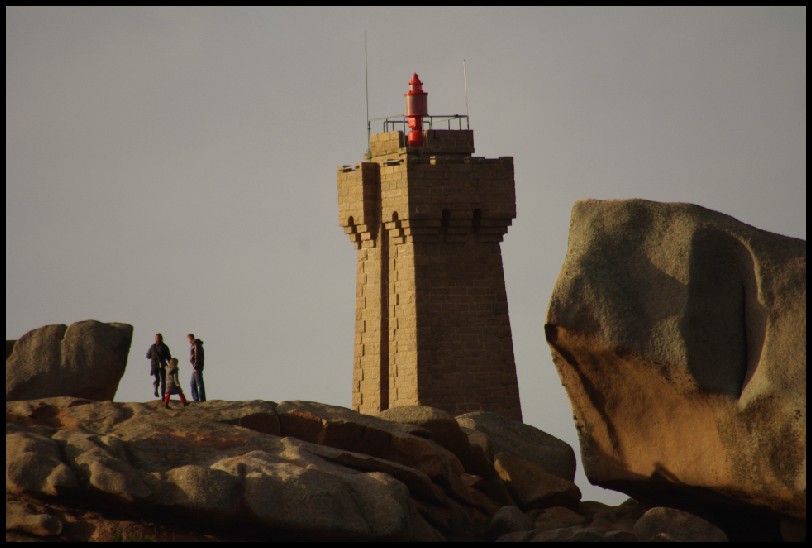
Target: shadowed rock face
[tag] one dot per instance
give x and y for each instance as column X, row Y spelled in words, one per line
column 86, row 360
column 680, row 336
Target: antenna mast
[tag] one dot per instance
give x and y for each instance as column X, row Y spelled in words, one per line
column 465, row 78
column 367, row 154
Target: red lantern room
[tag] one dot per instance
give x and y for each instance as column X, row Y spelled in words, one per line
column 416, row 108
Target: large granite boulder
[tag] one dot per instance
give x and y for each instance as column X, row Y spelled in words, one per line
column 86, row 360
column 680, row 336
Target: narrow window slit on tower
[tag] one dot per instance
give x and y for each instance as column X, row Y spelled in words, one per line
column 477, row 221
column 445, row 222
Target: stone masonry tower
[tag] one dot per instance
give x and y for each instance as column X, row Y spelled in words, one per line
column 431, row 323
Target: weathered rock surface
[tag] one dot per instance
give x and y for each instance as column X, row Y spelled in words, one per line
column 680, row 336
column 86, row 360
column 581, row 534
column 503, row 435
column 557, row 517
column 532, row 486
column 82, row 470
column 629, row 522
column 444, row 429
column 508, row 519
column 195, row 461
column 662, row 523
column 295, row 470
column 24, row 518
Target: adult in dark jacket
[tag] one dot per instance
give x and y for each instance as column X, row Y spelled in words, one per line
column 159, row 356
column 196, row 359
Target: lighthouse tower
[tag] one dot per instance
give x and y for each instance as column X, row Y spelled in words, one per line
column 426, row 218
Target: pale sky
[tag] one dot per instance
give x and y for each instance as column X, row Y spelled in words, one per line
column 175, row 168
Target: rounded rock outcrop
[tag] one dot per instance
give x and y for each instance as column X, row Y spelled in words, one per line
column 85, row 360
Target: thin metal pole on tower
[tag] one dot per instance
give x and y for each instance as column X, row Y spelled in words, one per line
column 465, row 77
column 368, row 154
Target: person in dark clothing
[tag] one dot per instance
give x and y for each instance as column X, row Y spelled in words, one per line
column 159, row 356
column 196, row 359
column 173, row 384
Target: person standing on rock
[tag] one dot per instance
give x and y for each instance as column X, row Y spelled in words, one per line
column 173, row 384
column 196, row 359
column 159, row 356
